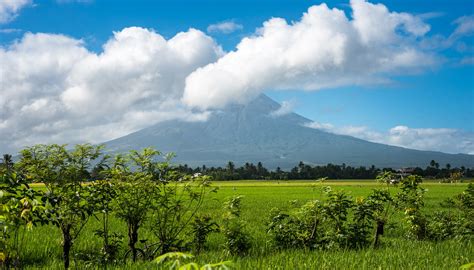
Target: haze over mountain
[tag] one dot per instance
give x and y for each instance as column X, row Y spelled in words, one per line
column 251, row 133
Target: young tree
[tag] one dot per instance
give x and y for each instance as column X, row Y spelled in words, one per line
column 174, row 208
column 62, row 172
column 135, row 191
column 102, row 195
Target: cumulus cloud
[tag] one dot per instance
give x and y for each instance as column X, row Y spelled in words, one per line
column 9, row 9
column 286, row 107
column 324, row 49
column 225, row 27
column 435, row 139
column 52, row 89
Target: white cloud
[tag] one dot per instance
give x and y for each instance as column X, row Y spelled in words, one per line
column 433, row 139
column 9, row 30
column 74, row 1
column 225, row 27
column 9, row 9
column 318, row 125
column 465, row 26
column 52, row 89
column 325, row 49
column 286, row 107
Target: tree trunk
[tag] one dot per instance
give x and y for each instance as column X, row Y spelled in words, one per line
column 132, row 239
column 106, row 233
column 378, row 233
column 67, row 244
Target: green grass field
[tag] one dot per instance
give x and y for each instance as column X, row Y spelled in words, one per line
column 42, row 245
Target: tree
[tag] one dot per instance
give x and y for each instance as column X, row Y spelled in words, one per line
column 230, row 167
column 175, row 207
column 63, row 172
column 7, row 163
column 135, row 191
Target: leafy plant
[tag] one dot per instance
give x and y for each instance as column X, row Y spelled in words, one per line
column 237, row 239
column 135, row 191
column 381, row 204
column 202, row 226
column 335, row 222
column 175, row 207
column 63, row 172
column 411, row 200
column 102, row 195
column 19, row 211
column 181, row 261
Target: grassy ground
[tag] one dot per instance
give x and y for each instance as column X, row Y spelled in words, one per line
column 42, row 245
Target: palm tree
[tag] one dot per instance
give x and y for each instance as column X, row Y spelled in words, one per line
column 7, row 162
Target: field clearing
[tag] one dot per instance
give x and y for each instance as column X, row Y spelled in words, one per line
column 42, row 249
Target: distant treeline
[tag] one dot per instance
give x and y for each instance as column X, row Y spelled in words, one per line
column 332, row 171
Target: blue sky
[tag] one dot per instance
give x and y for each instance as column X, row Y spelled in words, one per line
column 435, row 96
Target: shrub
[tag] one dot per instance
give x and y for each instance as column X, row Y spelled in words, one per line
column 237, row 239
column 175, row 207
column 202, row 226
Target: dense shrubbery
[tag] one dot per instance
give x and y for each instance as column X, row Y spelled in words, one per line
column 338, row 221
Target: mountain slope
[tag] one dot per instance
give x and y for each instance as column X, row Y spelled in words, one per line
column 248, row 133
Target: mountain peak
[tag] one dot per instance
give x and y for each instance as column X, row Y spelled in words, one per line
column 249, row 133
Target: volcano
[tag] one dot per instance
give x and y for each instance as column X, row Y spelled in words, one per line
column 251, row 133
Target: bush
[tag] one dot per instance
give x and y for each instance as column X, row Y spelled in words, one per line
column 202, row 226
column 237, row 239
column 336, row 222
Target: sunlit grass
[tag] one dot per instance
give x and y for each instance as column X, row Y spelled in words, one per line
column 42, row 245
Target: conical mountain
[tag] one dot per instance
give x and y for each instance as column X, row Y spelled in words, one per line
column 249, row 133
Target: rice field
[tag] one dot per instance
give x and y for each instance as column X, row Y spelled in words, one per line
column 42, row 245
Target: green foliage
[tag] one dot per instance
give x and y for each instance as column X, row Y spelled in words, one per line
column 459, row 221
column 172, row 211
column 175, row 207
column 410, row 199
column 19, row 211
column 333, row 223
column 40, row 250
column 102, row 196
column 181, row 261
column 63, row 172
column 202, row 226
column 237, row 239
column 386, row 177
column 411, row 193
column 135, row 191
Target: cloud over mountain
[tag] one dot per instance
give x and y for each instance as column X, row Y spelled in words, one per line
column 325, row 49
column 55, row 90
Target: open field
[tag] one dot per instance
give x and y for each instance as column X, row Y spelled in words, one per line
column 42, row 246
